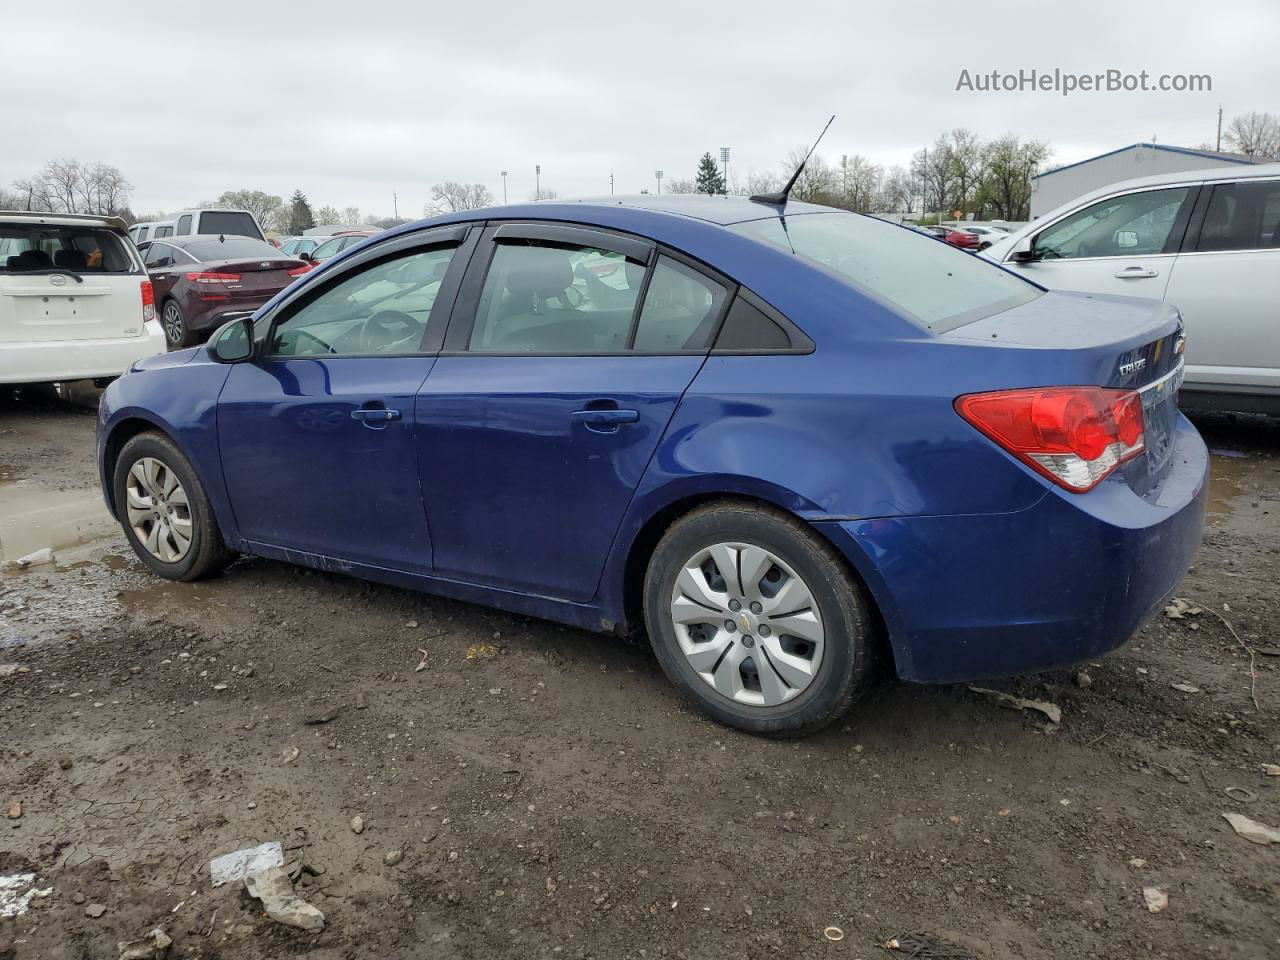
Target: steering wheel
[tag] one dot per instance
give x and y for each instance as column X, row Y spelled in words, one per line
column 387, row 328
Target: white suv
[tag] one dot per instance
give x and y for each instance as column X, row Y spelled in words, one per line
column 75, row 301
column 1206, row 241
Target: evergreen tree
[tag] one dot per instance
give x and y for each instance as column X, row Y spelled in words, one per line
column 300, row 216
column 708, row 179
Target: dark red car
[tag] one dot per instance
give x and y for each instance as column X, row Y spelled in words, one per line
column 957, row 238
column 201, row 282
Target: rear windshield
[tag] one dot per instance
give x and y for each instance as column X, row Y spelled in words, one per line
column 230, row 248
column 935, row 284
column 239, row 224
column 42, row 247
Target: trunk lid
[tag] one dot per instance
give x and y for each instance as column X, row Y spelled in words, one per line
column 259, row 279
column 1093, row 340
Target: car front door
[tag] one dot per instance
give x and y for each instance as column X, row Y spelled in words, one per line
column 566, row 356
column 1227, row 285
column 317, row 432
column 1124, row 245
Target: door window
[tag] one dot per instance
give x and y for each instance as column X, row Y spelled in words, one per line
column 380, row 310
column 540, row 298
column 1242, row 216
column 1134, row 224
column 681, row 308
column 184, row 225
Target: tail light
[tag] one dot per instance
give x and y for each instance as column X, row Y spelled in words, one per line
column 214, row 277
column 1075, row 436
column 148, row 301
column 300, row 270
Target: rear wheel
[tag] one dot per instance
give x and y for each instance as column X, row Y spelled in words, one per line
column 164, row 511
column 176, row 333
column 754, row 617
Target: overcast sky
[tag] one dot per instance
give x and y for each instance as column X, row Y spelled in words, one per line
column 354, row 101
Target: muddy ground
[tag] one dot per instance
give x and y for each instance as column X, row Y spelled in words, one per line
column 559, row 800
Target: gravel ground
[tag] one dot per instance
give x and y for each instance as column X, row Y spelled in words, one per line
column 542, row 792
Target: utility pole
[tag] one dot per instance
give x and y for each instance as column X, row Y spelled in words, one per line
column 611, row 183
column 844, row 174
column 395, row 205
column 724, row 159
column 658, row 174
column 504, row 186
column 537, row 181
column 1219, row 128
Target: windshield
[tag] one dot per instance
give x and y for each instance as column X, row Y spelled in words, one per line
column 935, row 284
column 35, row 247
column 231, row 248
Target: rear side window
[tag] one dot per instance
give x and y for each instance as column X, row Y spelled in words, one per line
column 45, row 247
column 184, row 225
column 748, row 328
column 235, row 224
column 1242, row 216
column 163, row 232
column 934, row 284
column 680, row 311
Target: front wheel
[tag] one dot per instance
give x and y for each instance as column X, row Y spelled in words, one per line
column 176, row 332
column 164, row 511
column 755, row 618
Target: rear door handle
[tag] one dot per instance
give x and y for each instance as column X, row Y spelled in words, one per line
column 1136, row 273
column 606, row 418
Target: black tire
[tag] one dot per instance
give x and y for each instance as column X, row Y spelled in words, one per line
column 845, row 612
column 207, row 553
column 176, row 332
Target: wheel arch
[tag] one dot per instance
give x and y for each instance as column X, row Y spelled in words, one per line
column 121, row 432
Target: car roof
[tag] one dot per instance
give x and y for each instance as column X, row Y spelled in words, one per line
column 62, row 219
column 713, row 208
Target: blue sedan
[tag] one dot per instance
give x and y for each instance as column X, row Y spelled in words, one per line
column 782, row 440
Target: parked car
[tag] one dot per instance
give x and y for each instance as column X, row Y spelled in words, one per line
column 784, row 447
column 75, row 302
column 216, row 222
column 986, row 235
column 202, row 282
column 1206, row 241
column 299, row 246
column 334, row 245
column 152, row 230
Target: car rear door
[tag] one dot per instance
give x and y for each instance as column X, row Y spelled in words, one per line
column 317, row 432
column 1123, row 245
column 566, row 356
column 1227, row 285
column 67, row 282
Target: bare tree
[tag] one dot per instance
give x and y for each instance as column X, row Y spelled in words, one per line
column 261, row 205
column 351, row 215
column 760, row 182
column 817, row 183
column 968, row 158
column 328, row 215
column 857, row 182
column 679, row 186
column 544, row 193
column 451, row 196
column 280, row 218
column 1006, row 189
column 897, row 191
column 1255, row 134
column 70, row 186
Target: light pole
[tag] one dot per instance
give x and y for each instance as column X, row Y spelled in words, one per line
column 504, row 186
column 537, row 181
column 724, row 159
column 395, row 205
column 658, row 174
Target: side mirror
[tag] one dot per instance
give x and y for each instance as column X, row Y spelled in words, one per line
column 233, row 342
column 1023, row 251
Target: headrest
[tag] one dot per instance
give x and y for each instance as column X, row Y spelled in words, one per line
column 71, row 259
column 539, row 272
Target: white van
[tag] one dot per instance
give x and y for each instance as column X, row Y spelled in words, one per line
column 75, row 301
column 140, row 233
column 1206, row 241
column 215, row 222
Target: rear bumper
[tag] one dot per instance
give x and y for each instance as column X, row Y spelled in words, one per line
column 218, row 314
column 1067, row 579
column 63, row 360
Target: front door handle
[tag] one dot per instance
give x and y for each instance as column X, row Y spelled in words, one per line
column 606, row 420
column 1136, row 273
column 375, row 417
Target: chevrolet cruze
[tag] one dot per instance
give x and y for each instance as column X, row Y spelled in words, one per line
column 781, row 440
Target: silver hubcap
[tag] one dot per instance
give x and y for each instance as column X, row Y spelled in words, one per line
column 173, row 323
column 748, row 624
column 158, row 510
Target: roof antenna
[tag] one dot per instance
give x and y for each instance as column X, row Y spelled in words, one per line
column 779, row 199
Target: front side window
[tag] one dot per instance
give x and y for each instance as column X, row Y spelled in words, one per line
column 1136, row 224
column 540, row 298
column 164, row 232
column 380, row 310
column 934, row 284
column 158, row 255
column 1242, row 216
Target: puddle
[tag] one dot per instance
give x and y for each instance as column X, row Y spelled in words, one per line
column 33, row 516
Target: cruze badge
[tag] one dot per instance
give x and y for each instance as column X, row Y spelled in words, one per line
column 1133, row 366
